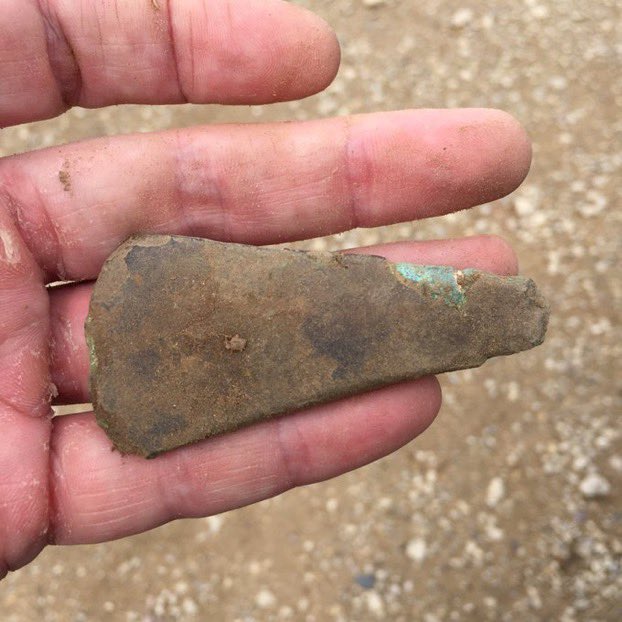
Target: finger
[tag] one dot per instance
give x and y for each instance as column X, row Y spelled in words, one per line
column 69, row 305
column 24, row 461
column 61, row 53
column 258, row 184
column 101, row 495
column 24, row 402
column 488, row 253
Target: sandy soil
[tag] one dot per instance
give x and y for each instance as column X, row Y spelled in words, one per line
column 508, row 508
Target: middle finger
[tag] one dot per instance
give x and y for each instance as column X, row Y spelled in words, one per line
column 258, row 183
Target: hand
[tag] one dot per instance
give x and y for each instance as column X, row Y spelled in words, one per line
column 63, row 210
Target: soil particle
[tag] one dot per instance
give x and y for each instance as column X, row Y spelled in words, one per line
column 65, row 178
column 235, row 343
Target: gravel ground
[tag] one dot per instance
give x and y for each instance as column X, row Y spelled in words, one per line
column 508, row 508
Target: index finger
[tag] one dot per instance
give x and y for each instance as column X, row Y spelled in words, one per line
column 55, row 54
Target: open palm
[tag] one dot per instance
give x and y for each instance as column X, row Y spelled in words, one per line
column 63, row 210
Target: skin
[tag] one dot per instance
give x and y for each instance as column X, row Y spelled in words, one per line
column 63, row 210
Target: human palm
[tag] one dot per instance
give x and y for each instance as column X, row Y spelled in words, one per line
column 64, row 209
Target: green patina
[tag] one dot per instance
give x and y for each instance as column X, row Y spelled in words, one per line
column 440, row 281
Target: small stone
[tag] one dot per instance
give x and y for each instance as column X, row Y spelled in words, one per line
column 416, row 549
column 189, row 606
column 488, row 21
column 596, row 202
column 495, row 492
column 513, row 391
column 535, row 601
column 215, row 523
column 559, row 83
column 462, row 17
column 265, row 599
column 366, row 581
column 615, row 462
column 375, row 604
column 490, row 602
column 332, row 505
column 524, row 205
column 540, row 11
column 373, row 4
column 594, row 485
column 473, row 551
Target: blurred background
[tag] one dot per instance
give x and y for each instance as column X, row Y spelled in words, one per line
column 508, row 508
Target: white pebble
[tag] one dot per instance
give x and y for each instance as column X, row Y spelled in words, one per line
column 559, row 83
column 417, row 549
column 615, row 462
column 495, row 492
column 189, row 607
column 265, row 599
column 461, row 17
column 595, row 203
column 332, row 505
column 513, row 391
column 524, row 206
column 594, row 485
column 374, row 603
column 534, row 597
column 490, row 602
column 540, row 11
column 215, row 523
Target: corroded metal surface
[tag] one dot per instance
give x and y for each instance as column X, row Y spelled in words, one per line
column 190, row 338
